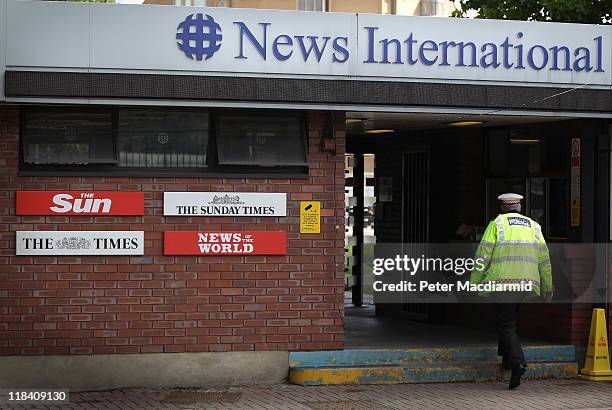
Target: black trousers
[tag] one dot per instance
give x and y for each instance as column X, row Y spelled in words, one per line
column 508, row 347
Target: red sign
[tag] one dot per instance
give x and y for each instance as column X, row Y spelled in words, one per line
column 225, row 243
column 576, row 147
column 79, row 203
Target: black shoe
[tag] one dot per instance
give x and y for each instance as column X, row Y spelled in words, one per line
column 515, row 377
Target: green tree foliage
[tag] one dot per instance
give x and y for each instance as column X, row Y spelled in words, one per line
column 569, row 11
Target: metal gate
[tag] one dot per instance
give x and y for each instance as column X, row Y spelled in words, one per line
column 415, row 220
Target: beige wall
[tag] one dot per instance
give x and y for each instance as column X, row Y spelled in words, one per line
column 352, row 6
column 408, row 7
column 414, row 7
column 161, row 2
column 260, row 4
column 251, row 4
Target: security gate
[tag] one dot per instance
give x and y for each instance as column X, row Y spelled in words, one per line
column 415, row 220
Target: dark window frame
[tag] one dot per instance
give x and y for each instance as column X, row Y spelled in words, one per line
column 75, row 109
column 303, row 132
column 533, row 131
column 172, row 109
column 527, row 132
column 213, row 168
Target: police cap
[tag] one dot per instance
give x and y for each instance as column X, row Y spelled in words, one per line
column 510, row 198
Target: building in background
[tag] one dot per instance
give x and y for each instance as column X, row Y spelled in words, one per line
column 440, row 8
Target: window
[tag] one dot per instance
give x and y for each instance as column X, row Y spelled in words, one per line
column 54, row 136
column 162, row 138
column 528, row 151
column 311, row 5
column 558, row 217
column 194, row 3
column 161, row 141
column 261, row 140
column 534, row 162
column 432, row 7
column 438, row 7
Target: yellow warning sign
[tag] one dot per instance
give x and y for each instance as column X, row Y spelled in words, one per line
column 597, row 363
column 310, row 217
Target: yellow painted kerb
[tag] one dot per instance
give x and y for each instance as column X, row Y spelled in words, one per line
column 346, row 376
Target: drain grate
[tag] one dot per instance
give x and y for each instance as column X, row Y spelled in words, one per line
column 346, row 405
column 196, row 396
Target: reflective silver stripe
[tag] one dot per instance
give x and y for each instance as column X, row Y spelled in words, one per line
column 515, row 259
column 487, row 244
column 500, row 228
column 544, row 263
column 520, row 243
column 538, row 233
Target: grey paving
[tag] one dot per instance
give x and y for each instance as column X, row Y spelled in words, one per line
column 547, row 394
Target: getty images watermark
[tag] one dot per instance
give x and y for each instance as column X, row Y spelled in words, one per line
column 456, row 273
column 459, row 266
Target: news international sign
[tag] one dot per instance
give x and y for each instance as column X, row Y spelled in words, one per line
column 382, row 45
column 79, row 243
column 85, row 203
column 223, row 41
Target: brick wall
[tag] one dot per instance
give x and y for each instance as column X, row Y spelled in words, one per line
column 154, row 303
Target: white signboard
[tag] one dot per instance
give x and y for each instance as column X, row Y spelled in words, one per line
column 226, row 41
column 58, row 243
column 225, row 204
column 483, row 50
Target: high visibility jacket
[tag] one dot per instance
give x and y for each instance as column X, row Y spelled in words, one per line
column 514, row 250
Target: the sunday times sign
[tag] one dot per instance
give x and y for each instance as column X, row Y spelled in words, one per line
column 229, row 41
column 224, row 204
column 58, row 243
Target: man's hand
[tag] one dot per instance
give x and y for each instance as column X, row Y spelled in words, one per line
column 548, row 296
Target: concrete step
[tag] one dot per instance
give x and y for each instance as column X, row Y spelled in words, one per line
column 346, row 358
column 437, row 372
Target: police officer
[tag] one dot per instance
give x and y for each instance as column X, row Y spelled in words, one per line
column 514, row 252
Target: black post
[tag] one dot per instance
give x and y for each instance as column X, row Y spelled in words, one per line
column 358, row 180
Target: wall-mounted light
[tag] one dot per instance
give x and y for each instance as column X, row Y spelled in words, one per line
column 379, row 131
column 353, row 120
column 464, row 123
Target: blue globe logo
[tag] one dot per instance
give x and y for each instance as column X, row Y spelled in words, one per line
column 198, row 36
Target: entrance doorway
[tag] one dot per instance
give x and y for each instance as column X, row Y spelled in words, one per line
column 434, row 182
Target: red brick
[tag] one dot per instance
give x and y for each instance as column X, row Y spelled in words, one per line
column 155, row 303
